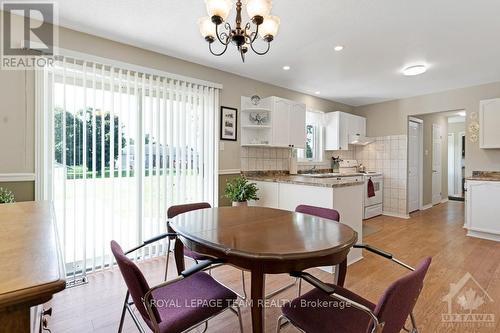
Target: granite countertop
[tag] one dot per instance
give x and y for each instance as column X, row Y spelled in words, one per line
column 491, row 176
column 303, row 180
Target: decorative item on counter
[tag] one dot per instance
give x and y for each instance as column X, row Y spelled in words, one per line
column 259, row 118
column 336, row 164
column 293, row 168
column 255, row 99
column 6, row 196
column 361, row 168
column 239, row 191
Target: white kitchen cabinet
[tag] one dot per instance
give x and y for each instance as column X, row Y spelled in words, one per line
column 340, row 127
column 482, row 209
column 489, row 123
column 281, row 130
column 285, row 124
column 297, row 125
column 292, row 195
column 356, row 125
column 267, row 194
column 348, row 201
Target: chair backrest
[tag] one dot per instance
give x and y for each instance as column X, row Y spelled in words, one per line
column 398, row 300
column 173, row 211
column 325, row 213
column 135, row 281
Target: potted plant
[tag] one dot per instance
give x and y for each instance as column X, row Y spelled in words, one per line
column 239, row 191
column 6, row 196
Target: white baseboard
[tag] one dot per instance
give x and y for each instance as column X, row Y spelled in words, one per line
column 484, row 235
column 401, row 216
column 17, row 177
column 445, row 200
column 425, row 207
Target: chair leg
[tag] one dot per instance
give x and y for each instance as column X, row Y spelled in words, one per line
column 238, row 314
column 168, row 257
column 122, row 318
column 206, row 327
column 299, row 288
column 244, row 287
column 413, row 323
column 281, row 322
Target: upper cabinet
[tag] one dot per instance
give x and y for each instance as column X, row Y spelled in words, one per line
column 489, row 123
column 340, row 127
column 273, row 122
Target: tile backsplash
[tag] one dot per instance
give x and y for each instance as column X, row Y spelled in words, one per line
column 264, row 159
column 388, row 154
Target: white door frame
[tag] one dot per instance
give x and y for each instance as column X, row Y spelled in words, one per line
column 452, row 172
column 420, row 161
column 439, row 158
column 458, row 162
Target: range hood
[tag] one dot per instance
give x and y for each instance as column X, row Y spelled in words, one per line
column 360, row 140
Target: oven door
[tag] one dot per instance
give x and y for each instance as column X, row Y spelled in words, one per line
column 378, row 184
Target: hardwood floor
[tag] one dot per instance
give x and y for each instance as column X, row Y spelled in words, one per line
column 437, row 232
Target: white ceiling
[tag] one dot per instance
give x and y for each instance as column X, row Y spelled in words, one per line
column 457, row 39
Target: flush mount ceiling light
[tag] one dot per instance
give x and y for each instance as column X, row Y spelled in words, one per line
column 415, row 70
column 317, row 92
column 242, row 36
column 338, row 48
column 286, row 68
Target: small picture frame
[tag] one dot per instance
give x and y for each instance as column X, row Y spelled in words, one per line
column 228, row 123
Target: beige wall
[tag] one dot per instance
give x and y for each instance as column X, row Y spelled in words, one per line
column 442, row 121
column 390, row 118
column 17, row 96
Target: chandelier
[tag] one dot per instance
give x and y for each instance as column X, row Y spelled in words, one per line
column 242, row 36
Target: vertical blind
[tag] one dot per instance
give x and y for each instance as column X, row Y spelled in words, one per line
column 124, row 145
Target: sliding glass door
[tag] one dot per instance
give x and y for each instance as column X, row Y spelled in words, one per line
column 123, row 146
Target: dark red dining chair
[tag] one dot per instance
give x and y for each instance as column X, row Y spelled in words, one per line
column 389, row 315
column 172, row 212
column 326, row 213
column 175, row 306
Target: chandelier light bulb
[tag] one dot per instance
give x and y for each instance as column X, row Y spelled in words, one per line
column 220, row 8
column 207, row 27
column 260, row 8
column 269, row 28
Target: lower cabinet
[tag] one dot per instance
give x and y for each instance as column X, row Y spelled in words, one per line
column 348, row 201
column 482, row 209
column 268, row 195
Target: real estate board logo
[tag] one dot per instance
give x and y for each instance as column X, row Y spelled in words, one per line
column 468, row 305
column 29, row 35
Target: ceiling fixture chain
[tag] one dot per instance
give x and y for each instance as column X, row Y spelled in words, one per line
column 242, row 36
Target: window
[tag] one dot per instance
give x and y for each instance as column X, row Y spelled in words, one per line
column 314, row 138
column 122, row 146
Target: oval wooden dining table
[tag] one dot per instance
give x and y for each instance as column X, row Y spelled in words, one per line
column 263, row 241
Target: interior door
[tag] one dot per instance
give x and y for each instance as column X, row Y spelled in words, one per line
column 280, row 121
column 451, row 164
column 413, row 166
column 437, row 141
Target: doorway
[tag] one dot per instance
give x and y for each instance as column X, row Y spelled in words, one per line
column 442, row 155
column 415, row 143
column 456, row 158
